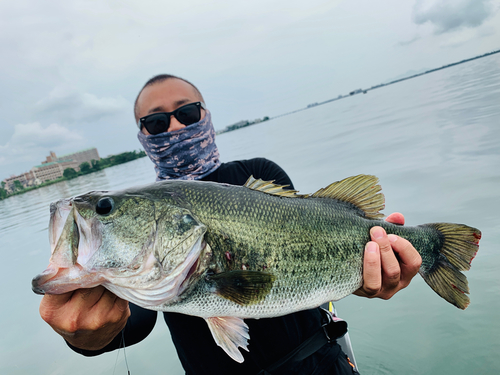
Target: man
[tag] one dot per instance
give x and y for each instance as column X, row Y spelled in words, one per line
column 177, row 134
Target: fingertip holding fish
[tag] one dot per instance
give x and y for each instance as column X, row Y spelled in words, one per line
column 392, row 238
column 377, row 233
column 371, row 247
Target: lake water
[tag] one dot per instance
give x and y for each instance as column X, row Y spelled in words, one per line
column 433, row 141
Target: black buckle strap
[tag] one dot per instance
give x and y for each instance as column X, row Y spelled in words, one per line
column 331, row 329
column 334, row 327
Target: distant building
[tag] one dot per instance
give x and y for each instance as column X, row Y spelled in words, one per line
column 26, row 179
column 52, row 168
column 80, row 156
column 48, row 171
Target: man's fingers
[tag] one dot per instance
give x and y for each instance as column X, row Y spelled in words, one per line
column 87, row 297
column 83, row 309
column 372, row 278
column 52, row 307
column 121, row 304
column 396, row 218
column 57, row 300
column 409, row 259
column 390, row 265
column 112, row 308
column 86, row 318
column 397, row 264
column 103, row 307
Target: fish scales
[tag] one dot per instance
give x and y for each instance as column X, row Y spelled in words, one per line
column 226, row 253
column 306, row 243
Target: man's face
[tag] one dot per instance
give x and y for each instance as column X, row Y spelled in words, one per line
column 167, row 96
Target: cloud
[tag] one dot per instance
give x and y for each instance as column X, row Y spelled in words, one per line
column 69, row 105
column 451, row 15
column 410, row 41
column 53, row 135
column 31, row 140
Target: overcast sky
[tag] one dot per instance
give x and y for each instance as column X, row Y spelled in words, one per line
column 70, row 70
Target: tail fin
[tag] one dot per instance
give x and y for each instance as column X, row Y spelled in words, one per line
column 460, row 245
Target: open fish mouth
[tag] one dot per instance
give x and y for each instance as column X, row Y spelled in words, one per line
column 79, row 260
column 71, row 250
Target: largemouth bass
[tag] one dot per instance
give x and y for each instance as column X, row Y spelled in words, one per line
column 226, row 253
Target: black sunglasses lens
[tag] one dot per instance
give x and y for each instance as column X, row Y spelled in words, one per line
column 188, row 114
column 156, row 124
column 159, row 122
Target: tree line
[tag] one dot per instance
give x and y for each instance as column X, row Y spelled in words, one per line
column 70, row 173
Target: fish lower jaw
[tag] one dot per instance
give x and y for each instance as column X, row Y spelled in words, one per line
column 59, row 280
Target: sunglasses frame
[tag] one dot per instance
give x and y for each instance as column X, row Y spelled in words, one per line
column 201, row 105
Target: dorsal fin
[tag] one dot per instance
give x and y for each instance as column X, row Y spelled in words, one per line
column 270, row 187
column 361, row 191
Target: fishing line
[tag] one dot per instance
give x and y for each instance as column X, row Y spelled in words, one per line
column 122, row 342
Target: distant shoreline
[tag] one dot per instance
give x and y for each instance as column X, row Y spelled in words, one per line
column 127, row 156
column 99, row 165
column 243, row 124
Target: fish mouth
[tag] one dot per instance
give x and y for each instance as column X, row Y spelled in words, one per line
column 59, row 280
column 71, row 249
column 41, row 279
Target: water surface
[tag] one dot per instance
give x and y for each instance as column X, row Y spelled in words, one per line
column 434, row 143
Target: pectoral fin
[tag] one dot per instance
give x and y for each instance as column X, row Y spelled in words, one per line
column 243, row 287
column 230, row 333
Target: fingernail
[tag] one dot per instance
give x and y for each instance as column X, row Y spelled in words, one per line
column 392, row 238
column 377, row 232
column 371, row 247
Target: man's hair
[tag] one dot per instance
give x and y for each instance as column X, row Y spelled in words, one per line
column 158, row 79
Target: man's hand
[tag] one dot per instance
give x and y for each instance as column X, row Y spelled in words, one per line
column 87, row 318
column 390, row 262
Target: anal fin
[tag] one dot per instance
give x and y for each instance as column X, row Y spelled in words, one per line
column 230, row 333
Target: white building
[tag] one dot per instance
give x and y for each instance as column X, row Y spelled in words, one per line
column 52, row 168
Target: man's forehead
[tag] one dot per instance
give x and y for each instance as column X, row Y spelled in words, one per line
column 171, row 92
column 163, row 108
column 172, row 86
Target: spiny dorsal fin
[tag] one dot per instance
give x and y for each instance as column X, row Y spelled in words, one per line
column 362, row 191
column 270, row 187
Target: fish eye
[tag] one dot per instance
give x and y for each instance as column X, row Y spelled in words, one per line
column 188, row 219
column 104, row 206
column 185, row 223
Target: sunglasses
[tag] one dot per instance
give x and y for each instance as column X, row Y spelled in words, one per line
column 157, row 123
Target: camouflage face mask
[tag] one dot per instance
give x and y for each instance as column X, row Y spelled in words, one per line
column 186, row 154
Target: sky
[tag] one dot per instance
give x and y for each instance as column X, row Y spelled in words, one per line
column 71, row 70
